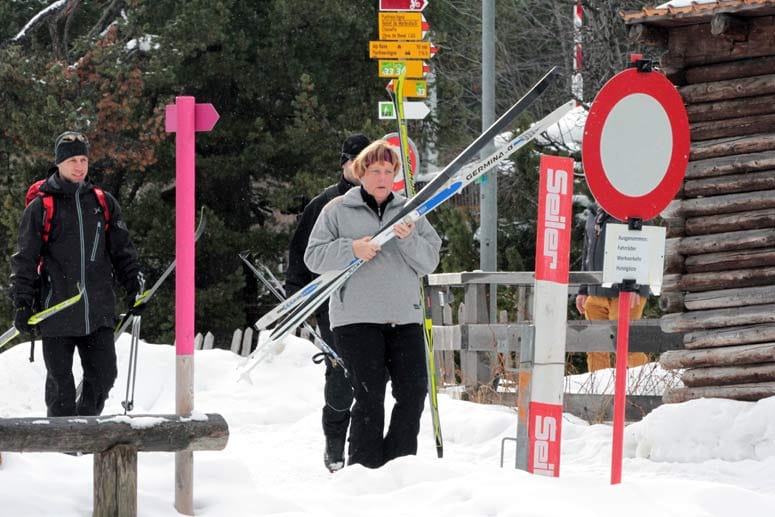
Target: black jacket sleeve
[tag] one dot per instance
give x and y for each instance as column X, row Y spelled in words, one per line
column 24, row 263
column 298, row 275
column 123, row 254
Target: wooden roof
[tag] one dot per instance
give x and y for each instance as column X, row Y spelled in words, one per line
column 697, row 13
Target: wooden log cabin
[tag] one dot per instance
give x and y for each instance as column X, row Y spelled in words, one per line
column 719, row 286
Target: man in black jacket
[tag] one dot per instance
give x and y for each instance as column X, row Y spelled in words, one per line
column 602, row 303
column 338, row 392
column 84, row 248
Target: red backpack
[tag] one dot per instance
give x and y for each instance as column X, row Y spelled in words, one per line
column 48, row 205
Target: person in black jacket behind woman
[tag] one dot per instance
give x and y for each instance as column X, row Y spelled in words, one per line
column 602, row 303
column 338, row 393
column 85, row 247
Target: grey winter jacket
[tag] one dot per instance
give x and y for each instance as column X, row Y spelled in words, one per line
column 386, row 288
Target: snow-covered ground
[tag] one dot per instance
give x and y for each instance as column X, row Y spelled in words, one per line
column 704, row 458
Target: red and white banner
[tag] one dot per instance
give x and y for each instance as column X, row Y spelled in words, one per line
column 555, row 207
column 544, row 431
column 555, row 197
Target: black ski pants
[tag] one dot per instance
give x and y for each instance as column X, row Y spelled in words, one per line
column 338, row 393
column 98, row 359
column 368, row 350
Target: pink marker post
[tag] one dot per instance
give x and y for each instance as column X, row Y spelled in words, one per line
column 184, row 118
column 620, row 391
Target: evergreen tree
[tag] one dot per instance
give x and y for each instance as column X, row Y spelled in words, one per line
column 290, row 80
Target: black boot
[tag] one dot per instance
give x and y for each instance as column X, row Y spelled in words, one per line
column 333, row 457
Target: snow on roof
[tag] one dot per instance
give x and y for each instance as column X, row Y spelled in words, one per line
column 697, row 11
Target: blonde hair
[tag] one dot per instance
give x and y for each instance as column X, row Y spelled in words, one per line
column 377, row 151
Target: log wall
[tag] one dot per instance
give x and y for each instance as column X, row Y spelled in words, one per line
column 719, row 285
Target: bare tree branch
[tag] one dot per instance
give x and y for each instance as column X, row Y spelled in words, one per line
column 109, row 15
column 36, row 21
column 68, row 14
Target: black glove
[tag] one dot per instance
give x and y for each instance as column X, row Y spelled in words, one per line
column 133, row 292
column 130, row 302
column 23, row 313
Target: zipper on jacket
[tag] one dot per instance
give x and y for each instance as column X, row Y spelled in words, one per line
column 96, row 240
column 47, row 303
column 82, row 238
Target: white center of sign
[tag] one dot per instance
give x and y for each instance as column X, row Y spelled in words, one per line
column 636, row 145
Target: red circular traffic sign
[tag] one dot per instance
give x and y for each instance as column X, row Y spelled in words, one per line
column 394, row 140
column 636, row 144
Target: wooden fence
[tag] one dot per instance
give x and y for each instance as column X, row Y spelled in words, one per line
column 479, row 360
column 482, row 359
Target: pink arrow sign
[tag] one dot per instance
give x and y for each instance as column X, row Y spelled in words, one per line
column 184, row 118
column 205, row 118
column 402, row 5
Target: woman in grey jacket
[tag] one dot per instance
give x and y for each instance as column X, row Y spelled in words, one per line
column 376, row 317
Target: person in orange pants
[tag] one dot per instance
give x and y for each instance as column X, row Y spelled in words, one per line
column 602, row 303
column 604, row 308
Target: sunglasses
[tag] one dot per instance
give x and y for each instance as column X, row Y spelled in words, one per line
column 72, row 137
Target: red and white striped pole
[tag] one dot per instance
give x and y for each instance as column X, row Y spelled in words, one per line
column 555, row 193
column 577, row 84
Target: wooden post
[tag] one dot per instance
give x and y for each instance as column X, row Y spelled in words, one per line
column 473, row 368
column 115, row 482
column 184, row 460
column 247, row 341
column 209, row 341
column 236, row 341
column 185, row 118
column 526, row 354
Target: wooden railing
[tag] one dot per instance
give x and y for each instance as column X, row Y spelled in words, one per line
column 474, row 354
column 115, row 442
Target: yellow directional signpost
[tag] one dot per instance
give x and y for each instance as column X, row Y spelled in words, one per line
column 415, row 88
column 399, row 49
column 398, row 26
column 400, row 42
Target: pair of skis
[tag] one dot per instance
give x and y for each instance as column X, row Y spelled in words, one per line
column 136, row 320
column 274, row 286
column 430, row 361
column 36, row 318
column 144, row 298
column 449, row 182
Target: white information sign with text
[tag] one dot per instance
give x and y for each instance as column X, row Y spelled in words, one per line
column 634, row 255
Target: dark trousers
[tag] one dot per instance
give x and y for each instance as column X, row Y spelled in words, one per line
column 338, row 392
column 98, row 359
column 368, row 350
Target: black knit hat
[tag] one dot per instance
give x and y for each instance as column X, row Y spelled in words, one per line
column 69, row 144
column 352, row 147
